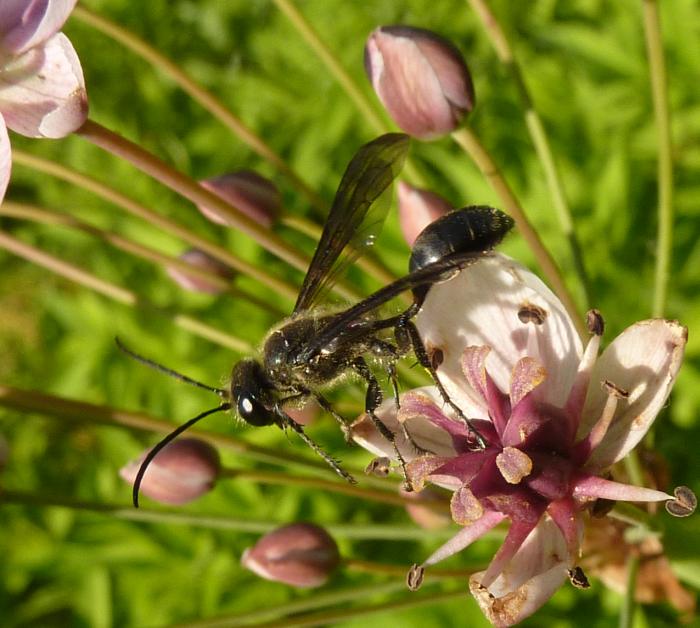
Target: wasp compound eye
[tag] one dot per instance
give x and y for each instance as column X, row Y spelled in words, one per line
column 252, row 411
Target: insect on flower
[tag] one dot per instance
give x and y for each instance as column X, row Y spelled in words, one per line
column 555, row 418
column 315, row 347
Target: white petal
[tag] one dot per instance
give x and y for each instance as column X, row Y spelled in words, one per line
column 5, row 159
column 42, row 93
column 538, row 569
column 480, row 307
column 423, row 432
column 25, row 24
column 643, row 360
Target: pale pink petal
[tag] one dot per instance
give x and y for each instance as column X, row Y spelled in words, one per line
column 465, row 537
column 595, row 487
column 417, row 209
column 5, row 159
column 481, row 306
column 28, row 23
column 644, row 361
column 424, row 433
column 533, row 575
column 42, row 93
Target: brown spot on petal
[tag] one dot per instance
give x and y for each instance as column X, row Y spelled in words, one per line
column 501, row 611
column 465, row 508
column 531, row 313
column 513, row 464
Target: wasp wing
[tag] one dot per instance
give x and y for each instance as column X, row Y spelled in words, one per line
column 357, row 213
column 352, row 322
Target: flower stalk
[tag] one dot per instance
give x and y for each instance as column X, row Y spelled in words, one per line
column 657, row 70
column 538, row 135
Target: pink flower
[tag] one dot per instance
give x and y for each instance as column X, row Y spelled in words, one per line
column 417, row 209
column 42, row 92
column 554, row 417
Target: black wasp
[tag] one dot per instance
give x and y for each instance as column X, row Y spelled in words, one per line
column 315, row 347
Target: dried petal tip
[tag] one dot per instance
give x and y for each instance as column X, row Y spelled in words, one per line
column 195, row 282
column 417, row 209
column 578, row 578
column 301, row 555
column 414, row 577
column 184, row 470
column 595, row 322
column 251, row 193
column 421, row 79
column 684, row 504
column 379, row 466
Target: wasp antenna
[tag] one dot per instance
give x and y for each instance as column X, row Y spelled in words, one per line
column 159, row 446
column 287, row 421
column 164, row 369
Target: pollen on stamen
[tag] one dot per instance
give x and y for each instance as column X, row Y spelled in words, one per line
column 684, row 504
column 578, row 578
column 531, row 313
column 595, row 322
column 414, row 577
column 379, row 467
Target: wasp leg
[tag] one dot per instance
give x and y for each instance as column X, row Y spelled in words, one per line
column 372, row 401
column 407, row 335
column 342, row 422
column 285, row 421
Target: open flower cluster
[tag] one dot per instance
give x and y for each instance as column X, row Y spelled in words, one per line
column 552, row 415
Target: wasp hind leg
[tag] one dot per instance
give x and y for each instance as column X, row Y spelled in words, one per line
column 373, row 399
column 407, row 337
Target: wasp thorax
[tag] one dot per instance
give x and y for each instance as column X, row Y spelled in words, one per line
column 250, row 393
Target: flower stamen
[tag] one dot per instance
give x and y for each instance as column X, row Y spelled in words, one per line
column 600, row 429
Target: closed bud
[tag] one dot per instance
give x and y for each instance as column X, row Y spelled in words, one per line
column 301, row 555
column 183, row 471
column 251, row 193
column 417, row 209
column 205, row 262
column 421, row 79
column 423, row 508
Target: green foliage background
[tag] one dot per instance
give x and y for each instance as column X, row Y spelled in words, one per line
column 585, row 63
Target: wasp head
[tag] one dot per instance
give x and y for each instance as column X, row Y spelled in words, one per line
column 250, row 393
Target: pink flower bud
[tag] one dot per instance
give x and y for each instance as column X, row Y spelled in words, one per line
column 421, row 79
column 206, row 262
column 184, row 470
column 418, row 508
column 305, row 414
column 417, row 209
column 301, row 555
column 254, row 195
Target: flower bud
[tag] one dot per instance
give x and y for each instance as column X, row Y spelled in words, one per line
column 301, row 555
column 418, row 508
column 417, row 209
column 421, row 79
column 303, row 415
column 251, row 193
column 206, row 262
column 184, row 470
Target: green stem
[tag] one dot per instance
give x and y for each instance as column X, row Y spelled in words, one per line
column 539, row 138
column 198, row 93
column 342, row 76
column 399, row 571
column 216, row 522
column 318, row 600
column 657, row 68
column 37, row 214
column 136, row 209
column 81, row 412
column 471, row 144
column 341, row 488
column 119, row 294
column 324, row 618
column 629, row 604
